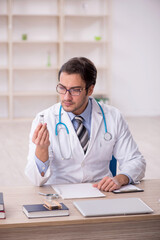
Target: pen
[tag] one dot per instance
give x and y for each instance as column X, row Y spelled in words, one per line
column 49, row 195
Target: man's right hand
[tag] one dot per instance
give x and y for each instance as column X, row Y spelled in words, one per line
column 41, row 139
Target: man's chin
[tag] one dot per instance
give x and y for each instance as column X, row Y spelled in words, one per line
column 68, row 108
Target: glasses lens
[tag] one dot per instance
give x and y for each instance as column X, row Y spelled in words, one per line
column 75, row 91
column 61, row 89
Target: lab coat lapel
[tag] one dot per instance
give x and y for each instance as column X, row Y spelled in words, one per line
column 96, row 121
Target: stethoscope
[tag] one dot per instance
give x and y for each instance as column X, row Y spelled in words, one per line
column 107, row 135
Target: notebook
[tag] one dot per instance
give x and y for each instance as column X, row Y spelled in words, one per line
column 106, row 207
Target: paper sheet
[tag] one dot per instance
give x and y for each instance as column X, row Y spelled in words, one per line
column 80, row 190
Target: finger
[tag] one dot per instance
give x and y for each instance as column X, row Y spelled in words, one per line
column 40, row 135
column 114, row 187
column 43, row 137
column 35, row 134
column 42, row 130
column 47, row 138
column 107, row 183
column 102, row 182
column 95, row 185
column 109, row 186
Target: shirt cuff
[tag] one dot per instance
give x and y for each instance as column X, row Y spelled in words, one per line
column 130, row 179
column 42, row 166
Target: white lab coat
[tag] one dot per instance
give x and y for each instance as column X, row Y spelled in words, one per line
column 93, row 165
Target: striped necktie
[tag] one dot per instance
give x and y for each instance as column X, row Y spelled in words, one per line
column 82, row 133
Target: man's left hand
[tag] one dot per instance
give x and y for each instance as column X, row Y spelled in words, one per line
column 109, row 184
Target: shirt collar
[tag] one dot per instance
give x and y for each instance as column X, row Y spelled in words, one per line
column 85, row 114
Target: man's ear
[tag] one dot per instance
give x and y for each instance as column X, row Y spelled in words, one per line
column 90, row 90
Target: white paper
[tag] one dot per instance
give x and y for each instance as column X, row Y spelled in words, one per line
column 80, row 190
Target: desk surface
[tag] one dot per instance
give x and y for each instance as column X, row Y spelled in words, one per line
column 15, row 197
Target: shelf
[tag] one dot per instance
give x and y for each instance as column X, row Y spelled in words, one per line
column 86, row 7
column 38, row 30
column 56, row 30
column 34, row 94
column 19, row 68
column 3, row 94
column 86, row 42
column 3, row 29
column 4, row 104
column 38, row 7
column 5, row 42
column 86, row 15
column 35, row 15
column 4, row 15
column 3, row 68
column 35, row 42
column 29, row 106
column 3, row 8
column 34, row 56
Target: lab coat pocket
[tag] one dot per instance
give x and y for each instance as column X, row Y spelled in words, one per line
column 105, row 148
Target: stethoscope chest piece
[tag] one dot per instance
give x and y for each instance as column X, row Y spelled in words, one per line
column 107, row 136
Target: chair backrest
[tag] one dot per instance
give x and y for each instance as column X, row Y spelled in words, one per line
column 113, row 166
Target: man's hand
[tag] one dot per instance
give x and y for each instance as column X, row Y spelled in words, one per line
column 41, row 139
column 109, row 184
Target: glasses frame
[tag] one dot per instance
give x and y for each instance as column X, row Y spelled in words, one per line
column 69, row 90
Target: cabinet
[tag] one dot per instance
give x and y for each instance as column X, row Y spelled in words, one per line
column 36, row 38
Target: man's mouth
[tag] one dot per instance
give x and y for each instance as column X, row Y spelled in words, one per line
column 67, row 104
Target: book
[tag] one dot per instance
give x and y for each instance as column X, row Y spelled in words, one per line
column 1, row 202
column 2, row 214
column 38, row 211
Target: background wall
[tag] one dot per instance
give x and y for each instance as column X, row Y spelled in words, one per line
column 135, row 63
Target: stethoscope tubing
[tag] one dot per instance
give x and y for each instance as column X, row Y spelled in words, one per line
column 107, row 135
column 104, row 119
column 60, row 123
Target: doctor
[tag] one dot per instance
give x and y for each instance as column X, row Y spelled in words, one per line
column 60, row 152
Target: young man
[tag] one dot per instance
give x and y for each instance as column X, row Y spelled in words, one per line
column 71, row 147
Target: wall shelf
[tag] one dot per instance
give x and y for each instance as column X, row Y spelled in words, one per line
column 36, row 38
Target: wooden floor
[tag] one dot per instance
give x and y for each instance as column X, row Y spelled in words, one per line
column 14, row 148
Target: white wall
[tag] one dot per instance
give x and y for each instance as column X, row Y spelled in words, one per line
column 135, row 56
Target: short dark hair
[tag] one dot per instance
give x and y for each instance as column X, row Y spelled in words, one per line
column 82, row 66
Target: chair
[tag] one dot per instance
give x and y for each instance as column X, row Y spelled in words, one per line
column 113, row 166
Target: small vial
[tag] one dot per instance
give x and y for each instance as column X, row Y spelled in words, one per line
column 41, row 119
column 49, row 60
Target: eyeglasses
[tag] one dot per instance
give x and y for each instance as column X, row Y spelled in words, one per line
column 75, row 91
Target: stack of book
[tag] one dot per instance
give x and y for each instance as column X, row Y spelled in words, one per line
column 2, row 211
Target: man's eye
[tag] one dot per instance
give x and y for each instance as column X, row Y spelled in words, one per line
column 61, row 87
column 76, row 90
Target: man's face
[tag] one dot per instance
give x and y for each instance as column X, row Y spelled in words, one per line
column 74, row 104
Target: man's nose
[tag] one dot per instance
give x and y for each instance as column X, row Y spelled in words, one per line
column 67, row 95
